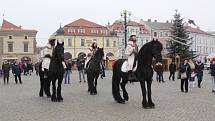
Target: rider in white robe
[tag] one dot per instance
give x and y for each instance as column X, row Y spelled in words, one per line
column 131, row 51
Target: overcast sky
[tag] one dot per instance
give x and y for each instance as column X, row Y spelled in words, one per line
column 46, row 15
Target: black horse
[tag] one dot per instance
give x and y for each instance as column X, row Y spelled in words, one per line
column 56, row 71
column 93, row 70
column 144, row 73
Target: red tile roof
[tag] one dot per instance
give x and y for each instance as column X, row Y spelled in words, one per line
column 87, row 26
column 195, row 30
column 83, row 23
column 7, row 26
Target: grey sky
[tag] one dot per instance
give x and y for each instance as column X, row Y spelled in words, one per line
column 46, row 15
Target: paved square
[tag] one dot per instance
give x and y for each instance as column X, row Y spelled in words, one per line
column 22, row 103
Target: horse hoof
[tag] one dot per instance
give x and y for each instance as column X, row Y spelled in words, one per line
column 126, row 97
column 151, row 105
column 145, row 105
column 54, row 100
column 121, row 101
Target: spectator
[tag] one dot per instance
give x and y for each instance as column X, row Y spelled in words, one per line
column 80, row 66
column 67, row 72
column 199, row 67
column 17, row 72
column 185, row 72
column 172, row 70
column 212, row 67
column 159, row 70
column 6, row 71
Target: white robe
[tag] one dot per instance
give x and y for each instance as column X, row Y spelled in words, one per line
column 45, row 60
column 129, row 51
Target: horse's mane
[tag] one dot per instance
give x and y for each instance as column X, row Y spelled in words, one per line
column 146, row 47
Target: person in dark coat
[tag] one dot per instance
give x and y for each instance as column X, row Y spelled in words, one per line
column 172, row 70
column 185, row 73
column 159, row 70
column 199, row 67
column 17, row 72
column 6, row 71
column 80, row 66
column 212, row 68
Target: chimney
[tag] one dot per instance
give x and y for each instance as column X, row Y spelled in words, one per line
column 156, row 21
column 149, row 20
column 198, row 27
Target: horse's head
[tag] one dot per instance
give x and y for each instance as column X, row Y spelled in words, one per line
column 99, row 53
column 156, row 48
column 59, row 51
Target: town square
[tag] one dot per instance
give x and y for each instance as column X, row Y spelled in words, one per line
column 105, row 60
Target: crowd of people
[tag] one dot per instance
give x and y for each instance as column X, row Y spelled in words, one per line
column 17, row 68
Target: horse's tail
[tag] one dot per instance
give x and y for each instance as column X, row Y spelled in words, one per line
column 116, row 78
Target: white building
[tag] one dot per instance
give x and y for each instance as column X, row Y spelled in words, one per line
column 142, row 34
column 203, row 42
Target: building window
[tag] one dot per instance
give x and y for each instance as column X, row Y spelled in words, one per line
column 69, row 42
column 93, row 31
column 10, row 46
column 10, row 37
column 161, row 34
column 114, row 43
column 107, row 43
column 25, row 46
column 155, row 34
column 81, row 30
column 94, row 40
column 26, row 37
column 82, row 42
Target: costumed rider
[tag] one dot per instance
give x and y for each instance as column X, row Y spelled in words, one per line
column 93, row 48
column 131, row 51
column 46, row 55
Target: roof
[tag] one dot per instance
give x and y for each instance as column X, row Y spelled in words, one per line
column 8, row 26
column 159, row 25
column 196, row 30
column 119, row 25
column 84, row 27
column 83, row 23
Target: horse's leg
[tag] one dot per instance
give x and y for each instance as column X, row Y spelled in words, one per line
column 53, row 98
column 95, row 86
column 90, row 83
column 143, row 87
column 125, row 93
column 151, row 104
column 41, row 86
column 59, row 96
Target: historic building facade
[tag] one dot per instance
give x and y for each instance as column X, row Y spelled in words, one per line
column 79, row 35
column 17, row 43
column 117, row 28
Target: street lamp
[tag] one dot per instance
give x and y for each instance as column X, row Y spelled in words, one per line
column 124, row 14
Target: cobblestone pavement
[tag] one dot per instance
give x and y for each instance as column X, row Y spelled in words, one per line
column 22, row 103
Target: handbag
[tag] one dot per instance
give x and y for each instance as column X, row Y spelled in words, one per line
column 183, row 75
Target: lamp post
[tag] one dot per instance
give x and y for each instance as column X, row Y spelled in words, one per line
column 125, row 16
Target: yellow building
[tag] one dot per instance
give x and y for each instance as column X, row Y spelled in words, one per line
column 17, row 43
column 79, row 35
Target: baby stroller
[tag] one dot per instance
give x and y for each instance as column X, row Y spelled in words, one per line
column 192, row 79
